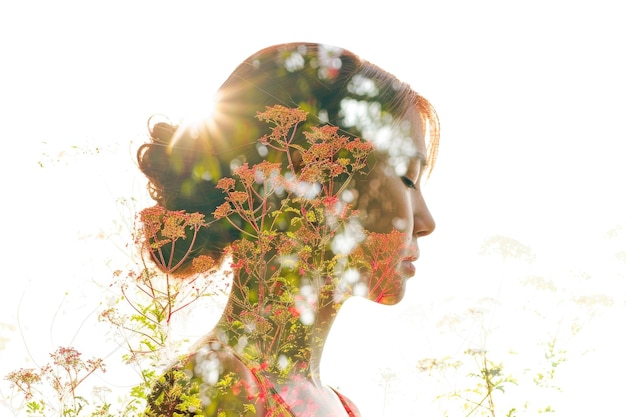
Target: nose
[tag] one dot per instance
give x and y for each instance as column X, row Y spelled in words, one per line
column 423, row 221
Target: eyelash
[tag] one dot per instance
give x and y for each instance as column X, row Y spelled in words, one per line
column 408, row 183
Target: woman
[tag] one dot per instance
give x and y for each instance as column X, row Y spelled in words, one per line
column 301, row 218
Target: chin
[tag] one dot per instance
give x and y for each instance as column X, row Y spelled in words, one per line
column 389, row 298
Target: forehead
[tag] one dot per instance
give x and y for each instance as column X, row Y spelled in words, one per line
column 405, row 146
column 398, row 140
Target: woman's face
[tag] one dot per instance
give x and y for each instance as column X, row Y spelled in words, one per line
column 390, row 199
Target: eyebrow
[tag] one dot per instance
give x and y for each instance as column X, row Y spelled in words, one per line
column 425, row 166
column 423, row 159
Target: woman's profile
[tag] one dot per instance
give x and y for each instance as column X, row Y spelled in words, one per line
column 303, row 186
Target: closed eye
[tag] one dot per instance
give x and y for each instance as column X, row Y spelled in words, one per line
column 408, row 182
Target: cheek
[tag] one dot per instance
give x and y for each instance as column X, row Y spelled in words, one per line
column 384, row 207
column 374, row 206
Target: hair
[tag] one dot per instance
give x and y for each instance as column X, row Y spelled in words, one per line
column 184, row 162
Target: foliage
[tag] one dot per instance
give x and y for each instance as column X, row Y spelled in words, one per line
column 289, row 213
column 292, row 215
column 486, row 379
column 53, row 388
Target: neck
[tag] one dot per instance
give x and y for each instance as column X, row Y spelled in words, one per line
column 286, row 337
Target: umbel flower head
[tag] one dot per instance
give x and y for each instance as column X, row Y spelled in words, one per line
column 160, row 227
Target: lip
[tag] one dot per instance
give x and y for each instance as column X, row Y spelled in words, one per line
column 411, row 257
column 407, row 267
column 407, row 263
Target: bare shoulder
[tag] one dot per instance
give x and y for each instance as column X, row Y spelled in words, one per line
column 209, row 382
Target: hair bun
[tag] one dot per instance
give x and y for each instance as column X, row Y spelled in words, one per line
column 162, row 132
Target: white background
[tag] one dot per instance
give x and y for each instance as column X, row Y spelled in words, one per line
column 531, row 100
